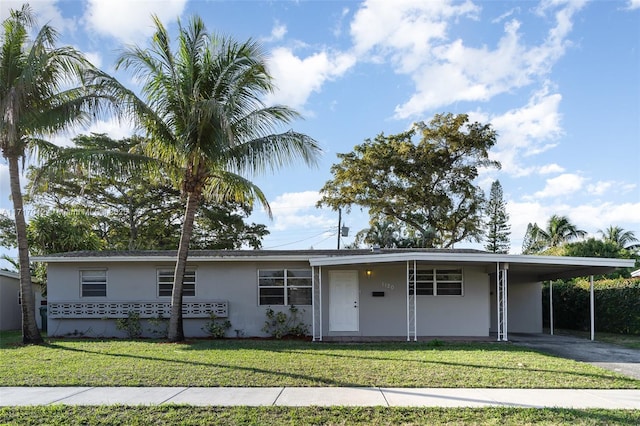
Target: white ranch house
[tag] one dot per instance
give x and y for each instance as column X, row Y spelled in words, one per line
column 400, row 293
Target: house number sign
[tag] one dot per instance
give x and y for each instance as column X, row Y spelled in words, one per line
column 388, row 286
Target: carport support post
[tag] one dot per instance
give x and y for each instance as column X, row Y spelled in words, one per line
column 551, row 307
column 591, row 308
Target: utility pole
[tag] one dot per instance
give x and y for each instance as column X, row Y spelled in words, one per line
column 339, row 225
column 343, row 231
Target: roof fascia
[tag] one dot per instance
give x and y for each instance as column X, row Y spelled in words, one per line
column 102, row 259
column 472, row 258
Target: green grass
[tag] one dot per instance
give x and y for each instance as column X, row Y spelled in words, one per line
column 256, row 363
column 185, row 415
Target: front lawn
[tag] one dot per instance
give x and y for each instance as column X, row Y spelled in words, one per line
column 84, row 362
column 186, row 415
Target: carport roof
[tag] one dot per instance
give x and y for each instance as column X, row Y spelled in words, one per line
column 541, row 267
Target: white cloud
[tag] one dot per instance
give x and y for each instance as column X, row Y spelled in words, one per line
column 413, row 35
column 95, row 58
column 46, row 12
column 592, row 217
column 526, row 131
column 600, row 187
column 297, row 210
column 296, row 78
column 403, row 30
column 114, row 128
column 633, row 4
column 294, row 202
column 567, row 183
column 550, row 169
column 589, row 217
column 130, row 21
column 337, row 29
column 277, row 33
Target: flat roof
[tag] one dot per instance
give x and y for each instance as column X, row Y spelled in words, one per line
column 542, row 267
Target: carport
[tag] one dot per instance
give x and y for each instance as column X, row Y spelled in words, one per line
column 501, row 268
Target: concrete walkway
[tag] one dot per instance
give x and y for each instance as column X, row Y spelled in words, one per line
column 326, row 396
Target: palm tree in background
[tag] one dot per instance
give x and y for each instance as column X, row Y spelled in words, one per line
column 618, row 236
column 559, row 230
column 43, row 89
column 206, row 124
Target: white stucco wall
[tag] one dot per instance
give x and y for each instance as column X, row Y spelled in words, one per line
column 466, row 315
column 10, row 315
column 524, row 310
column 235, row 282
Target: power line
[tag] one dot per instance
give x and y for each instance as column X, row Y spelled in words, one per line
column 304, row 239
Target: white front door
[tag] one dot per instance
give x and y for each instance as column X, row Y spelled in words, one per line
column 343, row 301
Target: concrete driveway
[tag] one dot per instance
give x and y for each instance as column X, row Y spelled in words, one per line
column 611, row 357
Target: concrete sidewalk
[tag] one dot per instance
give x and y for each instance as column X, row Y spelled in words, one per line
column 325, row 396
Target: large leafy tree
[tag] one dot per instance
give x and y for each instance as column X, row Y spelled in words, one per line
column 43, row 89
column 205, row 121
column 498, row 228
column 559, row 230
column 129, row 210
column 136, row 209
column 428, row 186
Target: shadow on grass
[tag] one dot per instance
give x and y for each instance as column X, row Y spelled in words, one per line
column 298, row 376
column 363, row 353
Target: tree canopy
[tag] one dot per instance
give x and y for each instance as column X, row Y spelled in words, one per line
column 559, row 230
column 498, row 228
column 205, row 122
column 428, row 186
column 137, row 209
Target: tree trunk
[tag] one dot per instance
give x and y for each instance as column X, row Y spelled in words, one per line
column 176, row 329
column 30, row 332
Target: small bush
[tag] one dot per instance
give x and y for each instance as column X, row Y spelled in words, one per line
column 159, row 326
column 279, row 324
column 130, row 325
column 216, row 327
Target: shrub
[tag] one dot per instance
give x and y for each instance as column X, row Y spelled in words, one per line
column 617, row 305
column 279, row 324
column 130, row 325
column 159, row 326
column 216, row 327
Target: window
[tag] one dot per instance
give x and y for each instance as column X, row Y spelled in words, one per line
column 165, row 282
column 93, row 283
column 437, row 282
column 284, row 286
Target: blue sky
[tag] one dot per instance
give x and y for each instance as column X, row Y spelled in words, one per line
column 559, row 81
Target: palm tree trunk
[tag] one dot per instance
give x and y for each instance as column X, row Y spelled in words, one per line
column 176, row 329
column 30, row 332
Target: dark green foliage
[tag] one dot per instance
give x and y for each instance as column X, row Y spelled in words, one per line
column 216, row 327
column 279, row 324
column 130, row 325
column 427, row 185
column 498, row 228
column 617, row 306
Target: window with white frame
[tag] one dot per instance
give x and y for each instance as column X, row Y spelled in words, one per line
column 93, row 283
column 165, row 282
column 437, row 281
column 284, row 286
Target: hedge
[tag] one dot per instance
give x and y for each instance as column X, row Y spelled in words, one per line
column 617, row 305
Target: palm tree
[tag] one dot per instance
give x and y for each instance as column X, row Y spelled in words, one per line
column 618, row 236
column 207, row 125
column 559, row 230
column 43, row 89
